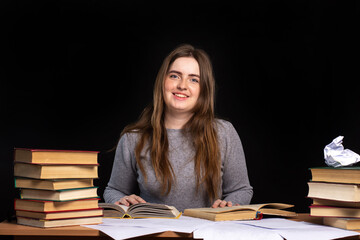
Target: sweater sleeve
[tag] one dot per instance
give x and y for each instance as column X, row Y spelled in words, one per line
column 123, row 180
column 236, row 186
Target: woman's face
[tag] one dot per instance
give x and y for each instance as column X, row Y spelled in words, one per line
column 182, row 85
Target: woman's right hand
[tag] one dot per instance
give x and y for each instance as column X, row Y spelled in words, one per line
column 130, row 200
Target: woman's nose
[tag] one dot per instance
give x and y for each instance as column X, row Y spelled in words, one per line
column 182, row 84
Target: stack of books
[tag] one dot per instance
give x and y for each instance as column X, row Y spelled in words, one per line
column 56, row 187
column 335, row 193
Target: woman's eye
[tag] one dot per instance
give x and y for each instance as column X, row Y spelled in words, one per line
column 195, row 80
column 173, row 76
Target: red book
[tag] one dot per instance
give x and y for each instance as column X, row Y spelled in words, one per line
column 96, row 212
column 51, row 206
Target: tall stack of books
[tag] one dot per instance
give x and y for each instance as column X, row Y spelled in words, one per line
column 56, row 187
column 335, row 193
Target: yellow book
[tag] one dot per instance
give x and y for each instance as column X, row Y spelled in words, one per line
column 47, row 156
column 140, row 210
column 98, row 212
column 59, row 195
column 53, row 184
column 48, row 206
column 243, row 212
column 41, row 171
column 58, row 223
column 344, row 223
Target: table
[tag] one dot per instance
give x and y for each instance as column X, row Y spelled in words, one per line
column 20, row 232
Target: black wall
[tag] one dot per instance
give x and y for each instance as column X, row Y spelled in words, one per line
column 74, row 73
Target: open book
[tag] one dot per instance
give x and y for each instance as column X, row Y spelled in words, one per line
column 140, row 210
column 243, row 212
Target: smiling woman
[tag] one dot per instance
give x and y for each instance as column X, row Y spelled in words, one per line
column 178, row 153
column 181, row 91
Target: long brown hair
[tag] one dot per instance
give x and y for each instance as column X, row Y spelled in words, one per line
column 201, row 127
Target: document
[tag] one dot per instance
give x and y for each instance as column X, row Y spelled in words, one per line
column 292, row 230
column 269, row 228
column 128, row 228
column 232, row 230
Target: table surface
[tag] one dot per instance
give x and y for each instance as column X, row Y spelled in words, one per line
column 13, row 229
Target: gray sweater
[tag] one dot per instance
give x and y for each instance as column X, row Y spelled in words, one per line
column 126, row 177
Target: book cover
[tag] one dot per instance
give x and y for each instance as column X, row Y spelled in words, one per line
column 140, row 210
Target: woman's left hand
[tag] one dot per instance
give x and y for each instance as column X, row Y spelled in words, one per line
column 222, row 203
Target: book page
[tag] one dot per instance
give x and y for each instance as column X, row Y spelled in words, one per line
column 254, row 207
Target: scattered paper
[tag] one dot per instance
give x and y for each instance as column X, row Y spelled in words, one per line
column 292, row 230
column 232, row 230
column 336, row 156
column 269, row 228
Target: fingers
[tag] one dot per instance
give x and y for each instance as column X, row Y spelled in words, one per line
column 130, row 200
column 221, row 203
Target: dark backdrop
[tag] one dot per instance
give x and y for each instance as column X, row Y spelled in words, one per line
column 76, row 72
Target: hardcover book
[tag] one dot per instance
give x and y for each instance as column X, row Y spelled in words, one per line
column 344, row 223
column 53, row 184
column 59, row 195
column 48, row 206
column 28, row 155
column 331, row 211
column 41, row 171
column 58, row 223
column 61, row 214
column 336, row 175
column 334, row 191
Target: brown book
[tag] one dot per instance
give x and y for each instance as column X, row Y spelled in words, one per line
column 59, row 195
column 334, row 203
column 331, row 211
column 61, row 214
column 49, row 206
column 53, row 184
column 336, row 175
column 344, row 223
column 55, row 156
column 41, row 171
column 140, row 210
column 334, row 191
column 243, row 212
column 58, row 223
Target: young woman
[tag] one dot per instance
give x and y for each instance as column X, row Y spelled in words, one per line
column 178, row 153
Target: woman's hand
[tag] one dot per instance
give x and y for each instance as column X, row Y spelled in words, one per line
column 222, row 203
column 130, row 200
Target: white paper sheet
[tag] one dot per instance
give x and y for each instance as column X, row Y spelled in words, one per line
column 231, row 230
column 127, row 228
column 270, row 229
column 292, row 230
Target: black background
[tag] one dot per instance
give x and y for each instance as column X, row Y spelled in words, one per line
column 74, row 73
